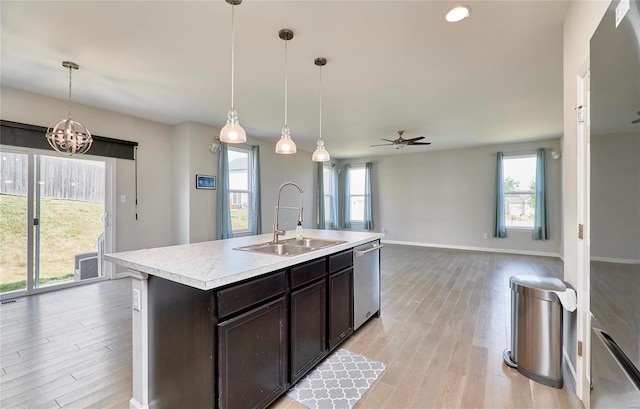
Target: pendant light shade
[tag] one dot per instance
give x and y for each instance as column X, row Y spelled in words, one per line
column 68, row 136
column 320, row 154
column 232, row 132
column 285, row 145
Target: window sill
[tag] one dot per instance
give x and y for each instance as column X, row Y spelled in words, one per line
column 518, row 228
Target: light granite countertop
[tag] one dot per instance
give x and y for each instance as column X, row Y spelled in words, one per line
column 212, row 264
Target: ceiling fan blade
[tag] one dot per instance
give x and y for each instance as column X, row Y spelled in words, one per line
column 388, row 140
column 414, row 139
column 383, row 144
column 419, row 143
column 637, row 121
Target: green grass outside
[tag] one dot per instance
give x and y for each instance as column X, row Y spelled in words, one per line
column 67, row 227
column 239, row 219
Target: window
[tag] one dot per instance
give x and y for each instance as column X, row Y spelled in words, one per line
column 240, row 189
column 329, row 193
column 519, row 191
column 356, row 193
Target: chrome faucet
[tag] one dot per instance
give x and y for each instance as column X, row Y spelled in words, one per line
column 276, row 230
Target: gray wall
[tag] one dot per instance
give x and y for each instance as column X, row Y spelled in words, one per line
column 194, row 209
column 446, row 199
column 170, row 209
column 153, row 227
column 615, row 198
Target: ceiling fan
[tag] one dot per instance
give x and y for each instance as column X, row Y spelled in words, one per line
column 400, row 142
column 637, row 121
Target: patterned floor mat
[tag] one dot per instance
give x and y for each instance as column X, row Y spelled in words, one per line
column 338, row 382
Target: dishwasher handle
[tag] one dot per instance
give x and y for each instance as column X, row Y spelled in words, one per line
column 360, row 253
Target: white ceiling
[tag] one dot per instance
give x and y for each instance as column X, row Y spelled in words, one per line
column 494, row 77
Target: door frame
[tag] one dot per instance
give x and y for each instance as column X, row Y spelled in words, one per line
column 583, row 360
column 108, row 270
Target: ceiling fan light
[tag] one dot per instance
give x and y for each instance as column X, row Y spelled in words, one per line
column 458, row 14
column 320, row 154
column 285, row 145
column 232, row 132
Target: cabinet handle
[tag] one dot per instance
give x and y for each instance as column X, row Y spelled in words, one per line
column 363, row 252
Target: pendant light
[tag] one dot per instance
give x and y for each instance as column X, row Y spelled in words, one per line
column 232, row 132
column 285, row 145
column 68, row 136
column 320, row 154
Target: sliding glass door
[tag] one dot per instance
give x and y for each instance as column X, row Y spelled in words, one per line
column 53, row 210
column 14, row 205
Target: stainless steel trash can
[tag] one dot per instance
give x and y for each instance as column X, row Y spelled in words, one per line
column 536, row 329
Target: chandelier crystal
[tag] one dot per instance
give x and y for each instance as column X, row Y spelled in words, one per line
column 68, row 136
column 320, row 154
column 285, row 145
column 232, row 132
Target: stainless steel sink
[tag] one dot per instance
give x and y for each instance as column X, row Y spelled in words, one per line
column 291, row 247
column 314, row 243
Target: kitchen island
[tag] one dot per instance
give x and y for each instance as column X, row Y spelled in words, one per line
column 217, row 327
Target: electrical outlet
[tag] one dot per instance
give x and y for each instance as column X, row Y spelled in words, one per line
column 486, row 236
column 384, row 230
column 136, row 299
column 123, row 198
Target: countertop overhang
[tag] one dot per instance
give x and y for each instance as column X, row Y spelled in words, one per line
column 212, row 264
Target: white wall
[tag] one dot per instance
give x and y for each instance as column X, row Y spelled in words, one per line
column 446, row 199
column 580, row 23
column 153, row 227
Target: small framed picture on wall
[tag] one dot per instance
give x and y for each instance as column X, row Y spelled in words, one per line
column 205, row 182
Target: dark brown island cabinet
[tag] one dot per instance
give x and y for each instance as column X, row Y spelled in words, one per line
column 244, row 345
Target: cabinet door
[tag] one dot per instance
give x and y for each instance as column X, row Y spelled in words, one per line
column 308, row 328
column 340, row 306
column 252, row 350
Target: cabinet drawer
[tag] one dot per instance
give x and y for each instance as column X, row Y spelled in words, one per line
column 308, row 272
column 241, row 296
column 340, row 261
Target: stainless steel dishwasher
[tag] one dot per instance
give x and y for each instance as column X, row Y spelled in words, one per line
column 366, row 282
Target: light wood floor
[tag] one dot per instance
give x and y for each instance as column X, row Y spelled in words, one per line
column 69, row 348
column 444, row 325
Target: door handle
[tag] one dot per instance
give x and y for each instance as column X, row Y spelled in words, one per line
column 360, row 253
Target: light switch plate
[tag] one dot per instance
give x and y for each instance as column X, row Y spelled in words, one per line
column 123, row 198
column 136, row 299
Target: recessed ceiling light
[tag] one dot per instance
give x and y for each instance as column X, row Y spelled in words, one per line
column 458, row 13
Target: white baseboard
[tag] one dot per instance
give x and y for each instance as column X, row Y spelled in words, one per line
column 615, row 260
column 472, row 248
column 134, row 404
column 572, row 370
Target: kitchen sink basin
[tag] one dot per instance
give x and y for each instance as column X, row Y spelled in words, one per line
column 290, row 247
column 314, row 243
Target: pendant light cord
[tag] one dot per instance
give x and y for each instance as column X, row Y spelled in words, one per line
column 70, row 69
column 233, row 49
column 285, row 83
column 320, row 102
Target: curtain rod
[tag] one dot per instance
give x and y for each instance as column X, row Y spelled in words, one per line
column 533, row 150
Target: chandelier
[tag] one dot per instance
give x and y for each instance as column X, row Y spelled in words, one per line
column 68, row 136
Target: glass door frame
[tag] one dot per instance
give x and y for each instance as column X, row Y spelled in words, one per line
column 108, row 272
